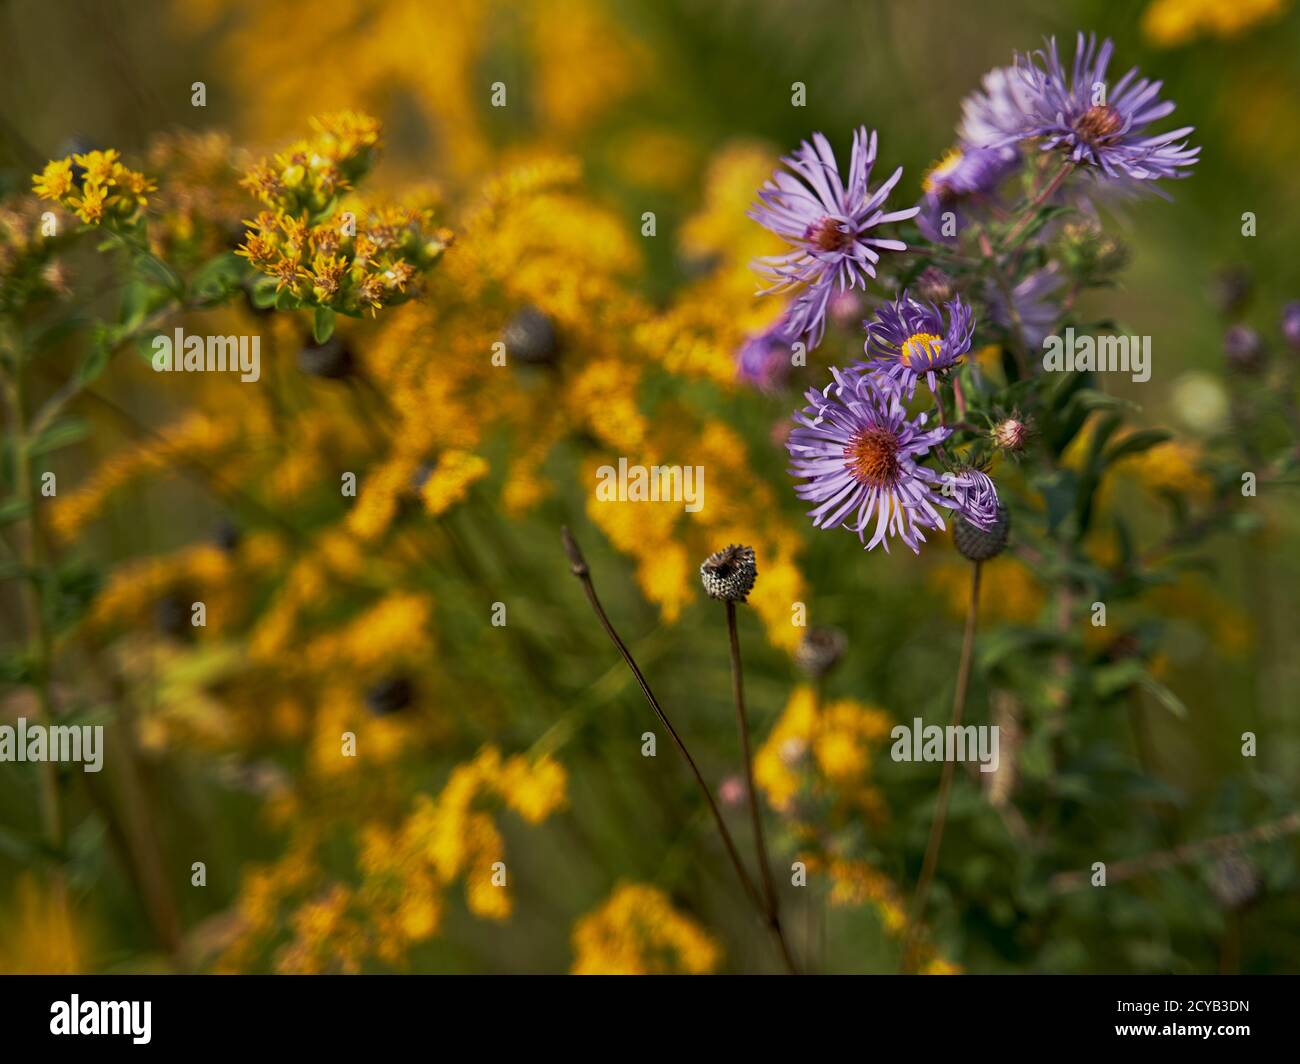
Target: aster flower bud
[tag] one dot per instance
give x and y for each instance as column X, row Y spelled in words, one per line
column 979, row 545
column 1291, row 324
column 1244, row 349
column 820, row 650
column 390, row 695
column 732, row 791
column 1011, row 435
column 934, row 285
column 332, row 360
column 530, row 337
column 1231, row 290
column 1233, row 880
column 729, row 574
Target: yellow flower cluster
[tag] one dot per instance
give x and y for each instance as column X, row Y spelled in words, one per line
column 95, row 186
column 308, row 177
column 1169, row 23
column 320, row 255
column 840, row 736
column 636, row 931
column 1172, row 467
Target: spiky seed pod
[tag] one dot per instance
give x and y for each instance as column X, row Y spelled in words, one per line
column 332, row 360
column 390, row 695
column 729, row 574
column 977, row 544
column 530, row 337
column 820, row 650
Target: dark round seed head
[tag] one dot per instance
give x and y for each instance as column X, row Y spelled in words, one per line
column 729, row 574
column 332, row 360
column 1244, row 349
column 820, row 650
column 391, row 695
column 227, row 535
column 172, row 614
column 978, row 545
column 530, row 337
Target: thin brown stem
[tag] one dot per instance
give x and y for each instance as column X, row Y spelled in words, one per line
column 1117, row 871
column 773, row 906
column 931, row 860
column 578, row 566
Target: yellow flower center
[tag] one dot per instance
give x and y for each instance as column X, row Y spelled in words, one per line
column 946, row 164
column 922, row 346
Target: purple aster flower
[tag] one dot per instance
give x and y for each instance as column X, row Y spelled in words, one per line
column 859, row 453
column 995, row 112
column 909, row 339
column 1107, row 132
column 1291, row 324
column 829, row 225
column 973, row 495
column 763, row 361
column 963, row 176
column 1034, row 299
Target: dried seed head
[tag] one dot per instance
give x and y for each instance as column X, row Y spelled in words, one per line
column 390, row 695
column 530, row 337
column 331, row 360
column 228, row 536
column 820, row 650
column 1244, row 349
column 1231, row 290
column 977, row 544
column 729, row 574
column 934, row 285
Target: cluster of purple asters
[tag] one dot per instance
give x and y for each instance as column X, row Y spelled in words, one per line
column 855, row 446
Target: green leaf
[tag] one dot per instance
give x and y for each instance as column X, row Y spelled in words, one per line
column 96, row 359
column 1165, row 697
column 154, row 268
column 217, row 278
column 1135, row 443
column 60, row 434
column 323, row 324
column 265, row 293
column 12, row 510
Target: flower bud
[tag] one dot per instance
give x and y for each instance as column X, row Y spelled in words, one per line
column 934, row 285
column 979, row 545
column 1244, row 349
column 1011, row 435
column 820, row 650
column 1291, row 324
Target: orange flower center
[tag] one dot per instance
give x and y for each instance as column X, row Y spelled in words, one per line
column 1098, row 123
column 828, row 234
column 872, row 457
